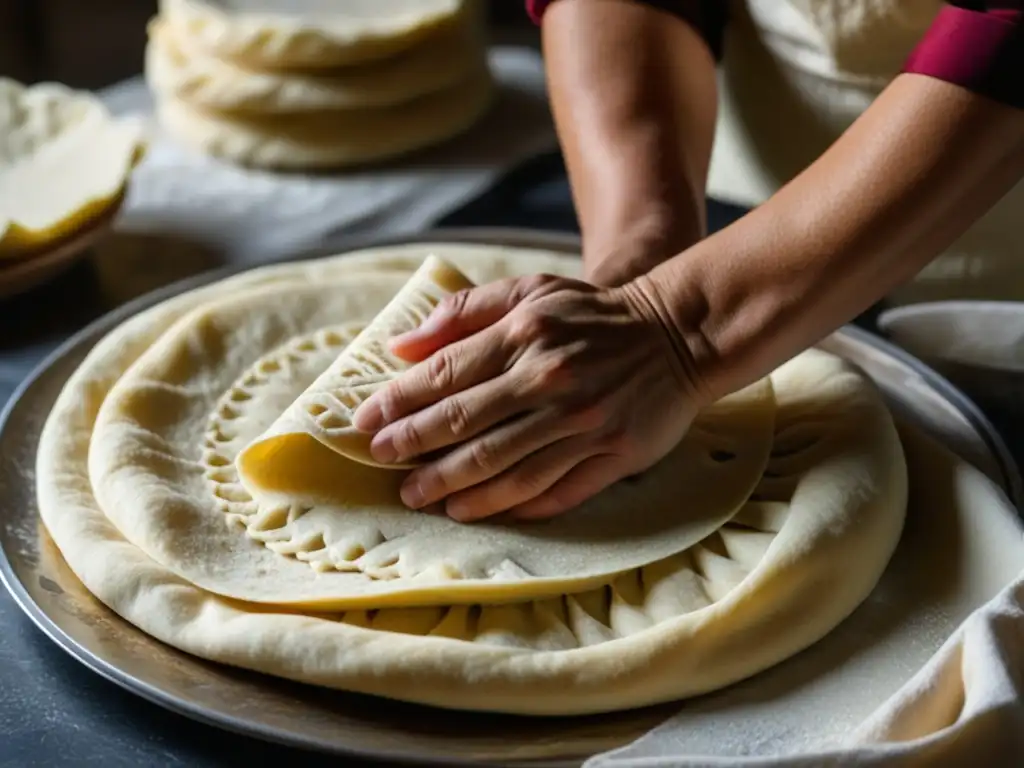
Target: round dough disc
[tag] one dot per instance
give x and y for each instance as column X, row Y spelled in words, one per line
column 176, row 69
column 287, row 34
column 793, row 563
column 332, row 139
column 244, row 360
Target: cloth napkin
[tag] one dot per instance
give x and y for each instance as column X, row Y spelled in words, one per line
column 251, row 216
column 928, row 672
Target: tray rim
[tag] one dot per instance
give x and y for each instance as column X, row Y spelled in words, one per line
column 1011, row 482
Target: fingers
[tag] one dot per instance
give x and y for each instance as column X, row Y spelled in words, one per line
column 500, row 469
column 460, row 315
column 582, row 482
column 452, row 420
column 447, row 372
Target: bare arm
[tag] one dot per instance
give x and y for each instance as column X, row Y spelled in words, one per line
column 543, row 391
column 924, row 162
column 633, row 94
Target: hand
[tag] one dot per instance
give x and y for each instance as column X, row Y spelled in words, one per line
column 540, row 392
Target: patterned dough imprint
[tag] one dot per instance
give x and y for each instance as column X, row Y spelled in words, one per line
column 303, row 483
column 324, row 411
column 271, row 380
column 267, row 387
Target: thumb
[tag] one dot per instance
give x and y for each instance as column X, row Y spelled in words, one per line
column 460, row 315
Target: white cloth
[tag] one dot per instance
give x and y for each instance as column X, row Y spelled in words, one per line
column 251, row 215
column 795, row 75
column 854, row 698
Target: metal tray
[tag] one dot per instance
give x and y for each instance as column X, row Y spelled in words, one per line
column 344, row 724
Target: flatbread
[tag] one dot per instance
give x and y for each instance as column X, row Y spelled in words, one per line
column 176, row 69
column 333, row 139
column 285, row 34
column 789, row 568
column 314, row 499
column 64, row 161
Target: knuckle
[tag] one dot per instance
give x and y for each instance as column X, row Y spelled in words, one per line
column 434, row 482
column 556, row 371
column 388, row 400
column 483, row 456
column 440, row 370
column 456, row 416
column 407, row 439
column 531, row 284
column 455, row 304
column 529, row 326
column 526, row 483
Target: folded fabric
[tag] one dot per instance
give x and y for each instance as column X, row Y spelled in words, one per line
column 962, row 708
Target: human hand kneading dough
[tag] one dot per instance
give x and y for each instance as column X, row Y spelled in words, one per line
column 541, row 392
column 545, row 391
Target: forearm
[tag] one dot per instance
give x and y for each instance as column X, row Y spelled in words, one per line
column 633, row 95
column 924, row 162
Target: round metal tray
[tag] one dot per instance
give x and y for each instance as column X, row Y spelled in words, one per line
column 343, row 724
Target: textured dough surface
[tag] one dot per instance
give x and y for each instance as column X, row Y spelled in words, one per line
column 63, row 162
column 154, row 454
column 325, row 409
column 282, row 34
column 794, row 562
column 175, row 69
column 332, row 139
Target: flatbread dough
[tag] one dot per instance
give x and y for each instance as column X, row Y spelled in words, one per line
column 332, row 139
column 322, row 414
column 177, row 70
column 311, row 500
column 794, row 562
column 283, row 34
column 835, row 531
column 64, row 161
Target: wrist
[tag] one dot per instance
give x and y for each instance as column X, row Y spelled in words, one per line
column 692, row 354
column 620, row 247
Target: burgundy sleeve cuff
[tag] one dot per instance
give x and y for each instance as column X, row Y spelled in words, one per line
column 981, row 51
column 536, row 9
column 708, row 17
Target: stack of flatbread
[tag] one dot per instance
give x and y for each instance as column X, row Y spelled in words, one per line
column 65, row 163
column 201, row 476
column 315, row 84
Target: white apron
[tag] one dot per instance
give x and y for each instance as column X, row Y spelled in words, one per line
column 795, row 75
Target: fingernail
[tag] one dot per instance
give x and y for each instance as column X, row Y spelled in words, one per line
column 459, row 512
column 382, row 449
column 368, row 417
column 412, row 495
